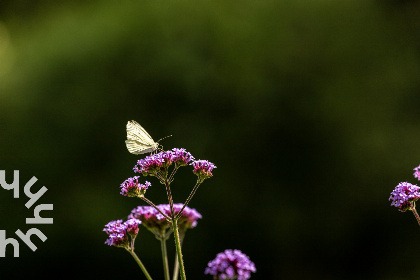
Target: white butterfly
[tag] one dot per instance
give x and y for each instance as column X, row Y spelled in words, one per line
column 138, row 140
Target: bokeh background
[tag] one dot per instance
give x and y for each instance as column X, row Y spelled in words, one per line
column 309, row 109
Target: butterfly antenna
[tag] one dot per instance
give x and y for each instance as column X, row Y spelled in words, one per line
column 160, row 148
column 163, row 138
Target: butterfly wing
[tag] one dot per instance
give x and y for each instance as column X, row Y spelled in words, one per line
column 138, row 140
column 138, row 148
column 136, row 132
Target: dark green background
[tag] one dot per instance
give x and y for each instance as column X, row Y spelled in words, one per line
column 309, row 109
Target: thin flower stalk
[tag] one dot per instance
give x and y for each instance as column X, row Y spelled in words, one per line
column 178, row 250
column 175, row 274
column 413, row 209
column 188, row 199
column 138, row 261
column 164, row 258
column 169, row 219
column 170, row 200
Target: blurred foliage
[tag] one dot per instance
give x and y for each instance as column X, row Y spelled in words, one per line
column 308, row 109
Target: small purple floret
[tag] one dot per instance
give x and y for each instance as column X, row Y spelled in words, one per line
column 231, row 264
column 132, row 226
column 203, row 168
column 118, row 232
column 404, row 195
column 417, row 172
column 132, row 188
column 181, row 156
column 117, row 235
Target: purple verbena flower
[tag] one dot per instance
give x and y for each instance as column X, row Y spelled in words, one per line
column 158, row 163
column 203, row 168
column 156, row 222
column 181, row 157
column 417, row 172
column 229, row 265
column 117, row 235
column 404, row 195
column 151, row 219
column 132, row 226
column 154, row 164
column 119, row 232
column 132, row 188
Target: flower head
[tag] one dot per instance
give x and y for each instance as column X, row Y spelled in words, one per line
column 118, row 232
column 117, row 235
column 156, row 222
column 132, row 188
column 154, row 164
column 203, row 168
column 231, row 264
column 151, row 219
column 132, row 227
column 181, row 157
column 417, row 172
column 404, row 195
column 158, row 163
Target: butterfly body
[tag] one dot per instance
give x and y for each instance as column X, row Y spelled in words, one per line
column 138, row 140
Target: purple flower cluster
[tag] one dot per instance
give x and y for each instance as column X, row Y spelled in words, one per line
column 153, row 164
column 404, row 195
column 231, row 264
column 132, row 188
column 156, row 222
column 203, row 168
column 417, row 172
column 181, row 156
column 158, row 163
column 118, row 232
column 133, row 227
column 151, row 218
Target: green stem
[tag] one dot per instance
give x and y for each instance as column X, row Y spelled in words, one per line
column 178, row 249
column 161, row 177
column 171, row 202
column 176, row 263
column 176, row 268
column 413, row 209
column 164, row 258
column 140, row 264
column 171, row 177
